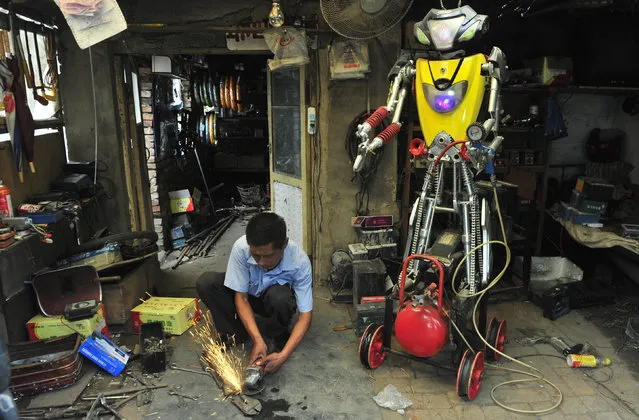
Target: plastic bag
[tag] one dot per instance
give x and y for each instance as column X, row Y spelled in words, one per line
column 391, row 398
column 92, row 21
column 289, row 47
column 348, row 59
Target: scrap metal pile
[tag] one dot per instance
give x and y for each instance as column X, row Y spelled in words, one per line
column 200, row 244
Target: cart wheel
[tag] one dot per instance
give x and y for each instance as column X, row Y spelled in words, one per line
column 364, row 342
column 496, row 337
column 469, row 374
column 375, row 354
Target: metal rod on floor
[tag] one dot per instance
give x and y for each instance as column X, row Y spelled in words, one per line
column 206, row 185
column 217, row 235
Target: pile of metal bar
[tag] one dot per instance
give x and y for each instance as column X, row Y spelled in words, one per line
column 200, row 244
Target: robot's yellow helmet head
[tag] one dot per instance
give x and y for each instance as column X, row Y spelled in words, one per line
column 443, row 30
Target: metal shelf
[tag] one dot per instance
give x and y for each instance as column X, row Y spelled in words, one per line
column 601, row 90
column 247, row 170
column 241, row 138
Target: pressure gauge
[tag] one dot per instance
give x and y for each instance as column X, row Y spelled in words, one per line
column 475, row 132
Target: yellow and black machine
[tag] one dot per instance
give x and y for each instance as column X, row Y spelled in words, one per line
column 447, row 257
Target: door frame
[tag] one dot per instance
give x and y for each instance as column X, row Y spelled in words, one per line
column 305, row 182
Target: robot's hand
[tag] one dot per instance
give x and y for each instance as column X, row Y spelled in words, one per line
column 369, row 146
column 363, row 151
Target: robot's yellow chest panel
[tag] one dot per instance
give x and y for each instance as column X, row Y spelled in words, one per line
column 449, row 108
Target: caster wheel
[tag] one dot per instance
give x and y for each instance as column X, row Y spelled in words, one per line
column 364, row 343
column 370, row 346
column 496, row 337
column 469, row 374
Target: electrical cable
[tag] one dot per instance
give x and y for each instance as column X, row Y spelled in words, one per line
column 95, row 119
column 362, row 197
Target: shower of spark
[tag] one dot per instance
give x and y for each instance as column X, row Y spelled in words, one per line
column 229, row 366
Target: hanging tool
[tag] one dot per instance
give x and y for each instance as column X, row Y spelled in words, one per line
column 51, row 76
column 20, row 53
column 31, row 82
column 43, row 100
column 206, row 185
column 4, row 44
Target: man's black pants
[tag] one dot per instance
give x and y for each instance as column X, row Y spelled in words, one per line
column 276, row 305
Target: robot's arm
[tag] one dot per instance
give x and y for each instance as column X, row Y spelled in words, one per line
column 482, row 155
column 402, row 82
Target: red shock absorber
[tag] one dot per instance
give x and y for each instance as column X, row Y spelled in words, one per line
column 377, row 117
column 389, row 132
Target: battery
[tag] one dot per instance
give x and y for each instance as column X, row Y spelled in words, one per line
column 368, row 313
column 594, row 189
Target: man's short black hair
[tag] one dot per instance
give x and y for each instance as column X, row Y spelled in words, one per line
column 266, row 228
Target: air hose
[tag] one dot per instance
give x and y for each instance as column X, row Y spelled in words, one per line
column 536, row 376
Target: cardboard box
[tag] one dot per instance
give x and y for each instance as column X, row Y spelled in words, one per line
column 181, row 201
column 99, row 258
column 41, row 327
column 176, row 314
column 551, row 70
column 104, row 353
column 594, row 189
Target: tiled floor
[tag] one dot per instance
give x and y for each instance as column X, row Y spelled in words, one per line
column 606, row 393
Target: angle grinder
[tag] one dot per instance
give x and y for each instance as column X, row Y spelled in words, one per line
column 253, row 380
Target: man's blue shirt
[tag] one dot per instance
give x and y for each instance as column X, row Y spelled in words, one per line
column 244, row 275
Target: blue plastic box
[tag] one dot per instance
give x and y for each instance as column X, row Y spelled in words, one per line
column 104, row 353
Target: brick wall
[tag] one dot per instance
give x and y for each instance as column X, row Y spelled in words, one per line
column 160, row 178
column 146, row 93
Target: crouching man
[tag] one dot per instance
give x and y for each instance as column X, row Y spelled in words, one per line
column 269, row 275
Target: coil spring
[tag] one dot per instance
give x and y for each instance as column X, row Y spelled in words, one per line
column 420, row 212
column 389, row 132
column 471, row 261
column 477, row 223
column 377, row 117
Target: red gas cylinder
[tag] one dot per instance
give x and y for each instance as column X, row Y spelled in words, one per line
column 421, row 330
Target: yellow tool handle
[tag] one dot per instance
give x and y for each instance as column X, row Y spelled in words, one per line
column 53, row 96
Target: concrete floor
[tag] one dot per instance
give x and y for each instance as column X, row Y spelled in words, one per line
column 323, row 379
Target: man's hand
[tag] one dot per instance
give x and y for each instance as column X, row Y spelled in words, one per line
column 259, row 352
column 273, row 362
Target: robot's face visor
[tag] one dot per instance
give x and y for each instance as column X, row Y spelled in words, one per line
column 446, row 100
column 442, row 30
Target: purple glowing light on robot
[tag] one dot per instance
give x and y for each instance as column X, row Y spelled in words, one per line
column 445, row 102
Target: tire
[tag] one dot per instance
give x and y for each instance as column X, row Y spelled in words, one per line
column 145, row 239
